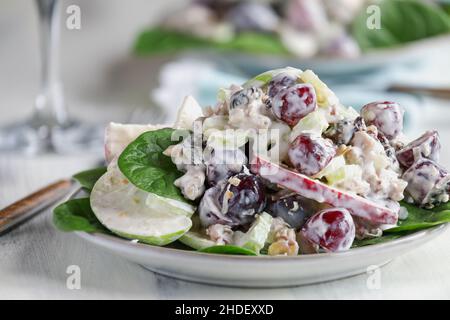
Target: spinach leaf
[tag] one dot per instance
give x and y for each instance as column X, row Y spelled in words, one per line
column 419, row 218
column 257, row 43
column 77, row 215
column 88, row 178
column 402, row 21
column 145, row 165
column 159, row 40
column 228, row 249
column 371, row 241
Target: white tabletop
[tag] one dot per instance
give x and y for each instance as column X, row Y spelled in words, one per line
column 35, row 256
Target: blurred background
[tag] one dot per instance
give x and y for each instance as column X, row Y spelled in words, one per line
column 134, row 61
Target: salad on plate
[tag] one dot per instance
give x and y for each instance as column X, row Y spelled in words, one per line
column 278, row 166
column 298, row 28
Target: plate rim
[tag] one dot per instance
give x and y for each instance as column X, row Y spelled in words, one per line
column 108, row 240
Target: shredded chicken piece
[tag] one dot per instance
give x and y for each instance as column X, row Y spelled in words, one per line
column 192, row 183
column 220, row 233
column 377, row 169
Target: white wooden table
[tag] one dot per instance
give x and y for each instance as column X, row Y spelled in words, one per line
column 34, row 258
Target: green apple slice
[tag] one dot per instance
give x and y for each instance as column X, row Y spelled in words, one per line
column 118, row 136
column 135, row 214
column 196, row 240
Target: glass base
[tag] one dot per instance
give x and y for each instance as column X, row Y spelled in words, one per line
column 30, row 138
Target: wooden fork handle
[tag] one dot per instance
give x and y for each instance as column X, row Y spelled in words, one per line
column 443, row 93
column 32, row 204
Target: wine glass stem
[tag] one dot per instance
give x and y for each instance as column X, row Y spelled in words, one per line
column 50, row 109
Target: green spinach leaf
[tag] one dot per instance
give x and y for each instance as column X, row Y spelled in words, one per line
column 370, row 241
column 419, row 218
column 228, row 249
column 88, row 178
column 159, row 40
column 77, row 215
column 145, row 165
column 402, row 21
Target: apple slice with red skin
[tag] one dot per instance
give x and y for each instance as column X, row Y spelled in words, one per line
column 322, row 193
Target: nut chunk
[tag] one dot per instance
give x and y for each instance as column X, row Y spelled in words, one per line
column 282, row 239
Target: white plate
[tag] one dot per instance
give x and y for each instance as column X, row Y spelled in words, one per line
column 262, row 271
column 377, row 59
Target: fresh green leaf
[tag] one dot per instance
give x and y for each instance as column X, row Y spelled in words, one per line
column 88, row 178
column 419, row 218
column 253, row 42
column 371, row 241
column 228, row 249
column 77, row 215
column 145, row 165
column 160, row 40
column 402, row 21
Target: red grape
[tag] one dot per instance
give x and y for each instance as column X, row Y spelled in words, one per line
column 428, row 183
column 332, row 229
column 310, row 154
column 386, row 116
column 293, row 103
column 280, row 82
column 427, row 146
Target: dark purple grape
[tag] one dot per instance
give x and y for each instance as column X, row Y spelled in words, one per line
column 294, row 209
column 293, row 103
column 233, row 202
column 428, row 183
column 210, row 208
column 242, row 198
column 243, row 97
column 387, row 116
column 279, row 82
column 342, row 131
column 310, row 154
column 427, row 146
column 222, row 164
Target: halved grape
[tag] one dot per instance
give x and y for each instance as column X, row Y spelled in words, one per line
column 427, row 146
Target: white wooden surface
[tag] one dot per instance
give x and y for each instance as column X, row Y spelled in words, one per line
column 34, row 257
